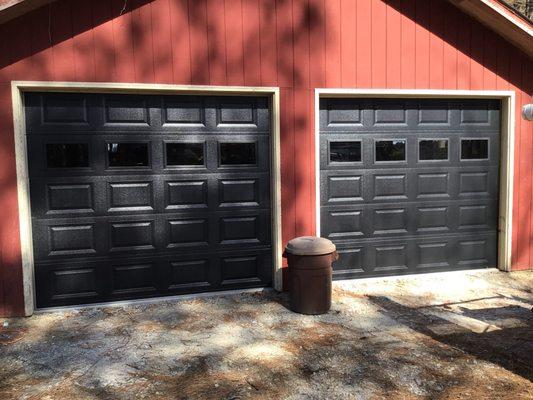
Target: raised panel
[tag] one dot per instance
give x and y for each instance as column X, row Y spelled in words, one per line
column 133, row 278
column 241, row 192
column 74, row 282
column 390, row 186
column 71, row 239
column 186, row 232
column 390, row 114
column 433, row 255
column 239, row 268
column 183, row 112
column 59, row 109
column 472, row 252
column 130, row 196
column 433, row 113
column 344, row 188
column 391, row 221
column 237, row 112
column 389, row 258
column 475, row 114
column 187, row 273
column 433, row 185
column 343, row 113
column 132, row 235
column 186, row 194
column 473, row 216
column 70, row 197
column 344, row 224
column 349, row 260
column 432, row 218
column 122, row 109
column 239, row 229
column 474, row 183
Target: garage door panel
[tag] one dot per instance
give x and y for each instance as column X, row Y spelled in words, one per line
column 409, row 186
column 140, row 196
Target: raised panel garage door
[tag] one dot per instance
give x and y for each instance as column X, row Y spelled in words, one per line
column 136, row 196
column 409, row 186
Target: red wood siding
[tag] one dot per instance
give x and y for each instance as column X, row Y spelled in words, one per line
column 297, row 45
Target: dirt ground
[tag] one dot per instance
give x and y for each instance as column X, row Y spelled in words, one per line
column 437, row 336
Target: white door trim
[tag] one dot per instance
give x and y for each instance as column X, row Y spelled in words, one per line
column 507, row 112
column 18, row 88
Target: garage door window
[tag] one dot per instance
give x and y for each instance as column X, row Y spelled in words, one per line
column 474, row 149
column 237, row 154
column 67, row 155
column 390, row 150
column 433, row 150
column 181, row 154
column 345, row 151
column 127, row 154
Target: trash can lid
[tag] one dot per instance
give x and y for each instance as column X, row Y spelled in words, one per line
column 310, row 246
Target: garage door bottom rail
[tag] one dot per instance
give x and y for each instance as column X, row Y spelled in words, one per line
column 104, row 281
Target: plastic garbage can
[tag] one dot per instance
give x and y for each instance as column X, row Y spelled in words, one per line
column 310, row 259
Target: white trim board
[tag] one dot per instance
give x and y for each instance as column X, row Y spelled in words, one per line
column 18, row 88
column 507, row 112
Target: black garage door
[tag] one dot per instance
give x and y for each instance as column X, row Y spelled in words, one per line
column 409, row 186
column 137, row 196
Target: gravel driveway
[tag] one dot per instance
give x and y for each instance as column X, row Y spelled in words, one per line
column 437, row 336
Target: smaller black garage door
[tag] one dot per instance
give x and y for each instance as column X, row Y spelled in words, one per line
column 409, row 186
column 137, row 196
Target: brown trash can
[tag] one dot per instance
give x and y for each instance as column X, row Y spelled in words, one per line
column 310, row 271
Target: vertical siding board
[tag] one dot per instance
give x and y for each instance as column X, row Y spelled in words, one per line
column 216, row 36
column 287, row 164
column 348, row 28
column 502, row 76
column 61, row 32
column 333, row 43
column 317, row 40
column 302, row 172
column 463, row 60
column 268, row 38
column 198, row 42
column 4, row 54
column 123, row 41
column 490, row 61
column 476, row 57
column 161, row 34
column 394, row 44
column 143, row 49
column 234, row 42
column 363, row 44
column 422, row 45
column 527, row 130
column 379, row 45
column 450, row 47
column 300, row 16
column 19, row 49
column 104, row 54
column 83, row 42
column 436, row 45
column 180, row 41
column 252, row 44
column 285, row 44
column 408, row 45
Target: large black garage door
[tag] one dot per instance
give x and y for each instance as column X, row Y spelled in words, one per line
column 409, row 186
column 139, row 196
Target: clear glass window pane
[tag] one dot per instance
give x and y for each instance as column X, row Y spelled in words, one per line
column 433, row 149
column 185, row 154
column 67, row 155
column 474, row 149
column 127, row 154
column 237, row 154
column 344, row 151
column 390, row 150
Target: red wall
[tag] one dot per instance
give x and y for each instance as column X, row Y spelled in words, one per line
column 297, row 45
